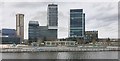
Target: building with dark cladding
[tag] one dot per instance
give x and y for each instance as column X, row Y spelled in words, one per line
column 10, row 40
column 42, row 33
column 52, row 15
column 9, row 36
column 9, row 32
column 33, row 32
column 77, row 23
column 91, row 36
column 48, row 34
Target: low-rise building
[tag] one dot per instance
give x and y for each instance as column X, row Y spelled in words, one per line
column 91, row 36
column 9, row 36
column 60, row 43
column 8, row 32
column 37, row 33
column 10, row 40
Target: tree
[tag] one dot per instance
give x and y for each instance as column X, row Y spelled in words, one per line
column 108, row 41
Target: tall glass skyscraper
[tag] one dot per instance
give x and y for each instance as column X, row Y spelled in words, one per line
column 77, row 23
column 52, row 16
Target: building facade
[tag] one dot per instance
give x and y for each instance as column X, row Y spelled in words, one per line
column 77, row 23
column 47, row 34
column 9, row 36
column 52, row 16
column 0, row 33
column 9, row 33
column 40, row 33
column 33, row 31
column 20, row 26
column 10, row 40
column 91, row 36
column 60, row 43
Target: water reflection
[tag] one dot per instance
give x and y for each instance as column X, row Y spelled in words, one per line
column 62, row 55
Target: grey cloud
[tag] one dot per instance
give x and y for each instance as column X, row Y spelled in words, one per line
column 41, row 16
column 113, row 17
column 104, row 11
column 105, row 16
column 103, row 6
column 30, row 4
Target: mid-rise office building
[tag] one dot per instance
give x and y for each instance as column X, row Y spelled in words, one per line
column 20, row 25
column 33, row 32
column 77, row 23
column 52, row 16
column 8, row 32
column 10, row 40
column 48, row 34
column 91, row 36
column 41, row 33
column 9, row 36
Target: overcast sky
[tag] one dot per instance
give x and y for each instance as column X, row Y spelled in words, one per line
column 101, row 16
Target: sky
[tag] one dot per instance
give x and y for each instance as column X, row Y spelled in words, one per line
column 100, row 16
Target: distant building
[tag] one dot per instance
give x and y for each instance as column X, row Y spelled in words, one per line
column 77, row 23
column 10, row 40
column 9, row 33
column 0, row 33
column 91, row 35
column 20, row 26
column 37, row 32
column 33, row 31
column 52, row 16
column 9, row 36
column 60, row 43
column 47, row 34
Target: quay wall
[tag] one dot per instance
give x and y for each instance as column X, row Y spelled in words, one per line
column 56, row 49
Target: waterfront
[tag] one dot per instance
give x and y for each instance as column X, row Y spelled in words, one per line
column 62, row 55
column 59, row 49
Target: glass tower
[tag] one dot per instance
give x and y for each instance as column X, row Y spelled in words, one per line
column 52, row 15
column 77, row 23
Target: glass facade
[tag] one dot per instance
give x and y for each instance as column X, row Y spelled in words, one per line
column 9, row 32
column 33, row 29
column 52, row 15
column 77, row 23
column 48, row 34
column 37, row 32
column 10, row 40
column 9, row 36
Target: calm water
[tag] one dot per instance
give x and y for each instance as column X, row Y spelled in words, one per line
column 62, row 55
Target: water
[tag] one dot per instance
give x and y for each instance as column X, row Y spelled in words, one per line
column 62, row 55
